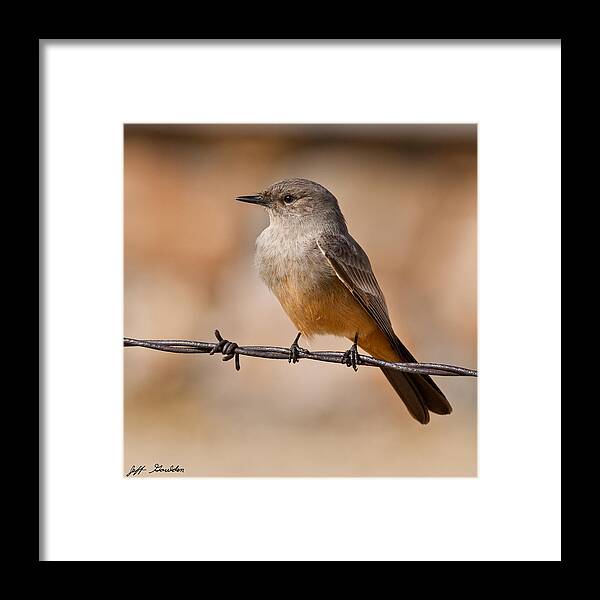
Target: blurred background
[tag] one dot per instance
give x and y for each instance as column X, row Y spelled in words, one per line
column 409, row 194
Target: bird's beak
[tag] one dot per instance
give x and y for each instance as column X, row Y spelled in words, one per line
column 253, row 199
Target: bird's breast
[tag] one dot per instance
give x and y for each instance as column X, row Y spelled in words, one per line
column 306, row 285
column 291, row 262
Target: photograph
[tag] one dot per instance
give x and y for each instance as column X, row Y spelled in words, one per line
column 267, row 268
column 315, row 288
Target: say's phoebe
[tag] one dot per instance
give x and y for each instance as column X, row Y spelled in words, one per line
column 325, row 283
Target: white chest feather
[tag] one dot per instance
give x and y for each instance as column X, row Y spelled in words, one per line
column 285, row 257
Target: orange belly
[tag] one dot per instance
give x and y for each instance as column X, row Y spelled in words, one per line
column 333, row 310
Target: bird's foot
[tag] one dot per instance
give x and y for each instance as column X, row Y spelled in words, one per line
column 226, row 348
column 351, row 357
column 295, row 350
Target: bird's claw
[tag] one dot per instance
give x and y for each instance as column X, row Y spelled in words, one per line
column 226, row 348
column 351, row 357
column 295, row 350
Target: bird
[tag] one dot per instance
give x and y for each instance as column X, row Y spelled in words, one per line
column 324, row 281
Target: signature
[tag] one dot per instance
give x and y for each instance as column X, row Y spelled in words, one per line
column 156, row 468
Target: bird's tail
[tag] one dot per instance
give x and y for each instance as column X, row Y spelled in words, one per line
column 418, row 392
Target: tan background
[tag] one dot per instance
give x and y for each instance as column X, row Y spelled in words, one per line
column 409, row 194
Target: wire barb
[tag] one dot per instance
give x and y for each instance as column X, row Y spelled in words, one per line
column 231, row 350
column 226, row 348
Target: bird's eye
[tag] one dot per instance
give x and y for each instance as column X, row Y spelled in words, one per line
column 288, row 199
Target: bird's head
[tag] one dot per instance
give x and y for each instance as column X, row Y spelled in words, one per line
column 296, row 199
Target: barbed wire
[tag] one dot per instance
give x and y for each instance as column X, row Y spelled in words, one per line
column 232, row 351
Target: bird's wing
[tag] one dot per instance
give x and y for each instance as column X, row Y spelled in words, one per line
column 350, row 263
column 352, row 266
